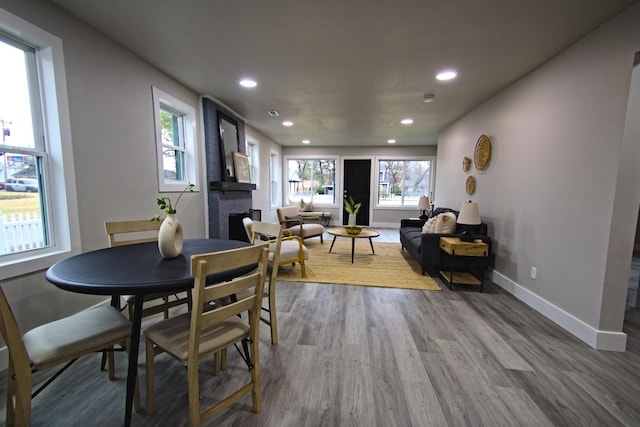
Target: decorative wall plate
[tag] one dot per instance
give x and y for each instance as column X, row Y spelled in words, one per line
column 482, row 154
column 466, row 164
column 470, row 185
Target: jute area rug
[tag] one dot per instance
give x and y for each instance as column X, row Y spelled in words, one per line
column 389, row 267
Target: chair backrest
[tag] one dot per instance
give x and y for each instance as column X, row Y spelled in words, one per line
column 137, row 231
column 19, row 360
column 246, row 222
column 207, row 264
column 273, row 232
column 287, row 211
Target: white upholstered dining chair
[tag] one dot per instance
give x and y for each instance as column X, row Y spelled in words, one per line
column 282, row 250
column 59, row 342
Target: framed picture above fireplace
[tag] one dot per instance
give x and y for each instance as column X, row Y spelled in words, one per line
column 229, row 143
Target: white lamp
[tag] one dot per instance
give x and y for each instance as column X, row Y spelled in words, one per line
column 423, row 205
column 469, row 215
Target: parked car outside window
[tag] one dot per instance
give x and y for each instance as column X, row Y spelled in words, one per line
column 28, row 185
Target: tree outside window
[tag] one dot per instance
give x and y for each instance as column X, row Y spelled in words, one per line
column 402, row 182
column 311, row 180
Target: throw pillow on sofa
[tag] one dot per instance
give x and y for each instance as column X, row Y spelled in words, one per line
column 430, row 225
column 444, row 223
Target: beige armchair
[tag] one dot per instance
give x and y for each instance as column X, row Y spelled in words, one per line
column 291, row 220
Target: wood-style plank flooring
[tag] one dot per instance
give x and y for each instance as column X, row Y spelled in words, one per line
column 365, row 356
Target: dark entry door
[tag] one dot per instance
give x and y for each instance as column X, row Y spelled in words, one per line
column 357, row 184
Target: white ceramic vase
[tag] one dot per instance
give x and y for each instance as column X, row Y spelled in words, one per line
column 170, row 237
column 352, row 220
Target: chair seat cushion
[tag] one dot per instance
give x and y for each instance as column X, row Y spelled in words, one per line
column 173, row 335
column 290, row 248
column 308, row 230
column 77, row 334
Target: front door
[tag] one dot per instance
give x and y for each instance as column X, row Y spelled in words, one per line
column 357, row 184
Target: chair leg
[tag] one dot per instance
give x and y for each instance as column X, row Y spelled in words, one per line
column 302, row 267
column 111, row 363
column 272, row 307
column 150, row 374
column 255, row 375
column 18, row 397
column 165, row 299
column 194, row 394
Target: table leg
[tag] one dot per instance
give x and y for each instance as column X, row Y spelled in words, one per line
column 332, row 242
column 353, row 247
column 371, row 243
column 132, row 372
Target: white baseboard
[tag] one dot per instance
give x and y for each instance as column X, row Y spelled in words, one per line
column 600, row 340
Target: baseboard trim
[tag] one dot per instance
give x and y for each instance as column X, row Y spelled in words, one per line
column 600, row 340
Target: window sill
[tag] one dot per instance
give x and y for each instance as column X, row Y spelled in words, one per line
column 26, row 263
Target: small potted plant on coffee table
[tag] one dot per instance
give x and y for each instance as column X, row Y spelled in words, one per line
column 352, row 209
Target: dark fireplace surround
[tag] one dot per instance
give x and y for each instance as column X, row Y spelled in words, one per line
column 225, row 195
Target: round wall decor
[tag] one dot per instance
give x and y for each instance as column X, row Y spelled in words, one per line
column 482, row 154
column 466, row 164
column 470, row 185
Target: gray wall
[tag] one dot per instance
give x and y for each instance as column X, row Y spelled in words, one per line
column 561, row 193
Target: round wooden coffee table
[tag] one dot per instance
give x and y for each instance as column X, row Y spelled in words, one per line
column 366, row 233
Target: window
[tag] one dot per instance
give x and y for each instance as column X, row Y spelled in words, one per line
column 274, row 178
column 38, row 207
column 311, row 179
column 401, row 182
column 175, row 141
column 254, row 160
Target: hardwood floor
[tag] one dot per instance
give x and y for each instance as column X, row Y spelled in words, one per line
column 364, row 356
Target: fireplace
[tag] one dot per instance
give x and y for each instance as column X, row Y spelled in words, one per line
column 225, row 195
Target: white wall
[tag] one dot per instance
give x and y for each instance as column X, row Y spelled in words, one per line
column 549, row 192
column 260, row 197
column 113, row 140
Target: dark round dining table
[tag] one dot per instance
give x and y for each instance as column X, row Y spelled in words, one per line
column 138, row 270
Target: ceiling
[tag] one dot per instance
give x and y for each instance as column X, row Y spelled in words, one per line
column 346, row 72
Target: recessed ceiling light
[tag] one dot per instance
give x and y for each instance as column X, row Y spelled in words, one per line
column 391, row 141
column 248, row 83
column 306, row 141
column 287, row 123
column 406, row 121
column 273, row 113
column 446, row 75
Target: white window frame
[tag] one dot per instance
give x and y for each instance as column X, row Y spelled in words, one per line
column 252, row 148
column 58, row 172
column 336, row 184
column 275, row 186
column 432, row 173
column 187, row 146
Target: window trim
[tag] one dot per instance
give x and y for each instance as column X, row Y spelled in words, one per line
column 60, row 185
column 161, row 97
column 255, row 166
column 275, row 180
column 377, row 160
column 337, row 200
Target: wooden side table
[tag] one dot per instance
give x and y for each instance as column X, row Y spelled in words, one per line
column 463, row 263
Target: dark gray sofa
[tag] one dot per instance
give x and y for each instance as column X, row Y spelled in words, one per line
column 425, row 247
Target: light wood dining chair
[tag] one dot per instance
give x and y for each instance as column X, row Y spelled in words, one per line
column 59, row 342
column 282, row 250
column 142, row 231
column 210, row 329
